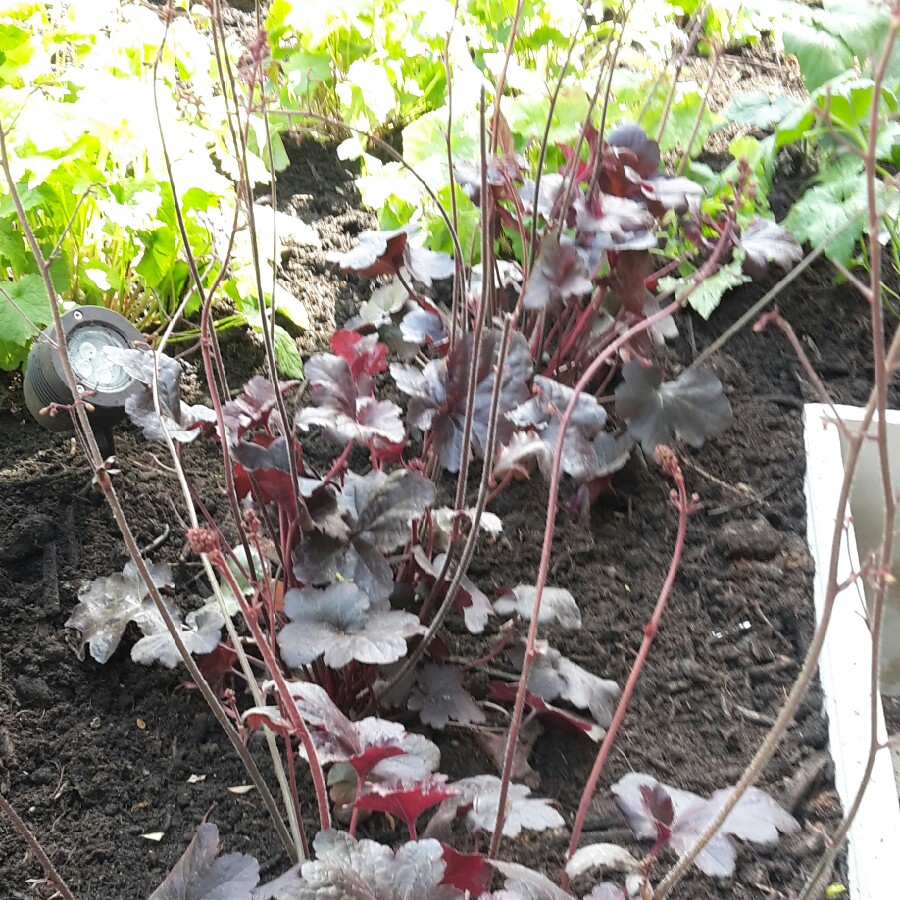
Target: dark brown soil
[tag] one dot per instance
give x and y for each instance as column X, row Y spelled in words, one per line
column 94, row 757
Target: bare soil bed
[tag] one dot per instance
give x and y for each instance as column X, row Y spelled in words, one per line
column 96, row 756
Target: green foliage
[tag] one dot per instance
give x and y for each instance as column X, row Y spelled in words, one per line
column 77, row 103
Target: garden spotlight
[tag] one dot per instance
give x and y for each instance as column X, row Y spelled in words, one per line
column 87, row 329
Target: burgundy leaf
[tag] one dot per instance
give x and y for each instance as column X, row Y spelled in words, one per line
column 493, row 743
column 376, row 253
column 406, row 801
column 218, row 668
column 766, row 242
column 693, row 406
column 364, row 355
column 265, row 462
column 438, row 393
column 466, row 871
column 201, row 874
column 368, row 744
column 558, row 274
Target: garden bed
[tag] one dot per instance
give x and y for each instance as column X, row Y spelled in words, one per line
column 97, row 757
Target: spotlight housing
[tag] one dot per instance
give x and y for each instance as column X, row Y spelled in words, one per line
column 87, row 329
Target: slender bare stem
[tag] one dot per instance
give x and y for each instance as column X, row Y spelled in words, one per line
column 36, row 848
column 671, row 467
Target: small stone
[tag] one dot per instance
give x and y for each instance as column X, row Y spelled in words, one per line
column 751, row 539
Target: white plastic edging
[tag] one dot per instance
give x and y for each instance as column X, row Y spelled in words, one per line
column 845, row 667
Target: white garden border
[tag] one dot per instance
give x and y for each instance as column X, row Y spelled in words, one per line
column 874, row 838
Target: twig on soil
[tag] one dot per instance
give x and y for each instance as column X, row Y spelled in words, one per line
column 36, row 848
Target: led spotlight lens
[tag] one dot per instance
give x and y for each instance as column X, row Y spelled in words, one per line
column 88, row 330
column 93, row 367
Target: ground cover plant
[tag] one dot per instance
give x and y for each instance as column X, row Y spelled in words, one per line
column 85, row 88
column 333, row 574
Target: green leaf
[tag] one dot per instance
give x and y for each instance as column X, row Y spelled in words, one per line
column 288, row 305
column 158, row 255
column 828, row 207
column 860, row 24
column 30, row 296
column 758, row 108
column 707, row 295
column 821, row 56
column 287, row 356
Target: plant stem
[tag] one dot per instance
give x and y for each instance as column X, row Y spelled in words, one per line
column 673, row 469
column 555, row 477
column 36, row 848
column 92, row 451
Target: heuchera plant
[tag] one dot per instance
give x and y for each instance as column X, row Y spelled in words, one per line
column 349, row 563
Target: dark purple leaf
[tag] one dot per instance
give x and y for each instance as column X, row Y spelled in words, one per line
column 252, row 407
column 671, row 192
column 288, row 886
column 341, row 411
column 471, row 602
column 338, row 625
column 376, row 253
column 175, row 418
column 558, row 274
column 481, row 794
column 108, row 604
column 201, row 874
column 421, row 327
column 200, row 635
column 766, row 242
column 466, row 871
column 550, row 194
column 755, row 818
column 628, row 136
column 612, row 452
column 499, row 171
column 693, row 406
column 438, row 393
column 406, row 801
column 544, row 412
column 345, row 869
column 555, row 676
column 525, row 883
column 557, row 605
column 440, row 697
column 621, row 220
column 606, row 857
column 378, row 511
column 606, row 890
column 551, row 716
